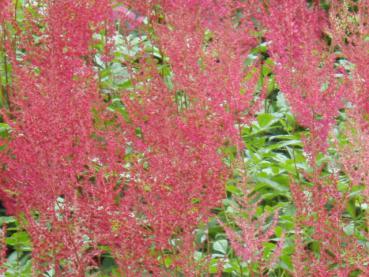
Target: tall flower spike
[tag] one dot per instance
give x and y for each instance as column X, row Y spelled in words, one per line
column 304, row 67
column 51, row 143
column 248, row 243
column 350, row 31
column 4, row 9
column 206, row 51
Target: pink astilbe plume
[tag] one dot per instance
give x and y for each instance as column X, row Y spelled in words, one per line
column 248, row 242
column 207, row 49
column 304, row 67
column 353, row 159
column 350, row 31
column 181, row 173
column 124, row 15
column 306, row 73
column 51, row 142
column 4, row 9
column 319, row 211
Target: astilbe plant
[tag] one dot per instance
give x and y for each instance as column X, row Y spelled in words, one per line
column 185, row 125
column 51, row 143
column 85, row 182
column 255, row 230
column 349, row 28
column 305, row 67
column 66, row 173
column 51, row 177
column 208, row 42
column 4, row 6
column 322, row 247
column 323, row 206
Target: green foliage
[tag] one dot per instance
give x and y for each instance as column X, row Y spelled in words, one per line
column 19, row 245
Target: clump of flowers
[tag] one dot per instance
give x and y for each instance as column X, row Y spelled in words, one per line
column 305, row 67
column 87, row 181
column 66, row 167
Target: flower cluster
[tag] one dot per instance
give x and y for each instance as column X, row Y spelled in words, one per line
column 85, row 181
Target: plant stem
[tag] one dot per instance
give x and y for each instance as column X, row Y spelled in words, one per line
column 4, row 87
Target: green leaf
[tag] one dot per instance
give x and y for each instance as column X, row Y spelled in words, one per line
column 117, row 106
column 265, row 119
column 233, row 189
column 4, row 129
column 125, row 85
column 221, row 246
column 19, row 240
column 349, row 229
column 7, row 220
column 261, row 182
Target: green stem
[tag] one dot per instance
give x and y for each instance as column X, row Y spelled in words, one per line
column 4, row 87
